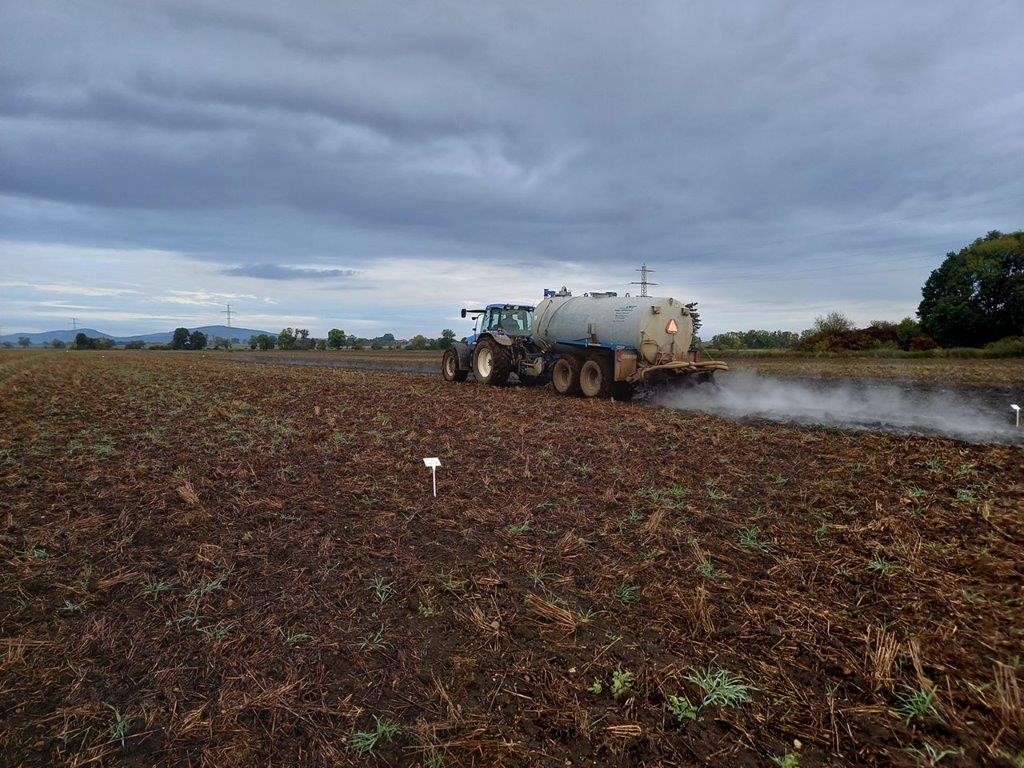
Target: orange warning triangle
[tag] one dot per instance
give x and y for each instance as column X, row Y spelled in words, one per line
column 672, row 327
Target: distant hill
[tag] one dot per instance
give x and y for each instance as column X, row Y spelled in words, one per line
column 68, row 335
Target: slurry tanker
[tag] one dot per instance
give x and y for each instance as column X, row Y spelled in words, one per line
column 595, row 345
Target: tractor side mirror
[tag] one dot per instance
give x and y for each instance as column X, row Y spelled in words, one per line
column 463, row 312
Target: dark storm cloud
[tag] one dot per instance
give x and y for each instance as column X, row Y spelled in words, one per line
column 775, row 139
column 276, row 272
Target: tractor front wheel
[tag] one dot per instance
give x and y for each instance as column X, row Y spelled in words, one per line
column 492, row 363
column 450, row 366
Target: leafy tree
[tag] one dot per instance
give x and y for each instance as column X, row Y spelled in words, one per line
column 103, row 343
column 447, row 338
column 833, row 323
column 197, row 340
column 287, row 338
column 419, row 341
column 136, row 344
column 335, row 338
column 320, row 344
column 180, row 338
column 6, row 345
column 84, row 342
column 57, row 344
column 262, row 341
column 219, row 342
column 24, row 341
column 977, row 294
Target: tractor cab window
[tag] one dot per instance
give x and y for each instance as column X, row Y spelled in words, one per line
column 513, row 322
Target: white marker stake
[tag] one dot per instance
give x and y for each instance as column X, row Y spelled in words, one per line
column 433, row 464
column 1017, row 409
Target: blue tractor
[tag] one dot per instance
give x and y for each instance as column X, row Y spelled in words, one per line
column 501, row 344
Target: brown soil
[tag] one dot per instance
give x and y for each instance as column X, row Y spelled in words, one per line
column 243, row 565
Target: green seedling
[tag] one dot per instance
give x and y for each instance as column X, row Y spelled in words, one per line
column 916, row 702
column 365, row 742
column 681, row 708
column 627, row 593
column 382, row 590
column 120, row 728
column 622, row 682
column 721, row 688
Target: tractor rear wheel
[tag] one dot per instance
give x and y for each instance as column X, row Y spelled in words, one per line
column 565, row 376
column 595, row 379
column 492, row 363
column 450, row 366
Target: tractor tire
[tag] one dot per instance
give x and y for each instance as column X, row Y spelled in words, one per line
column 566, row 375
column 595, row 378
column 450, row 366
column 622, row 391
column 492, row 363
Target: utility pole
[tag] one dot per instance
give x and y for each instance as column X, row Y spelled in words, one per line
column 228, row 313
column 643, row 282
column 74, row 323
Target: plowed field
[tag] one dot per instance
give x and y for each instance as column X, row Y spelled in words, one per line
column 207, row 563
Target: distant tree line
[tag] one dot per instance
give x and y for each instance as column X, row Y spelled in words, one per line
column 754, row 340
column 300, row 339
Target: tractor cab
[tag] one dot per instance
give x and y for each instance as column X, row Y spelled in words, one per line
column 509, row 319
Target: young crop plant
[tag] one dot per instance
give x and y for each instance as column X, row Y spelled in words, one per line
column 882, row 566
column 749, row 539
column 681, row 708
column 374, row 642
column 72, row 606
column 365, row 742
column 294, row 638
column 449, row 582
column 154, row 588
column 966, row 495
column 916, row 702
column 931, row 755
column 713, row 493
column 538, row 577
column 627, row 592
column 596, row 687
column 622, row 682
column 120, row 727
column 523, row 527
column 382, row 590
column 787, row 760
column 721, row 688
column 428, row 611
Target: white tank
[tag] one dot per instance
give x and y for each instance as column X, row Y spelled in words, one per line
column 661, row 329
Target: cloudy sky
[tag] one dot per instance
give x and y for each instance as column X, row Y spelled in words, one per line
column 375, row 166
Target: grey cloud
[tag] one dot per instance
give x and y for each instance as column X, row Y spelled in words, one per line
column 765, row 138
column 277, row 272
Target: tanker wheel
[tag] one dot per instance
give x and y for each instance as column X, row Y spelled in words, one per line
column 622, row 391
column 492, row 363
column 450, row 366
column 595, row 379
column 565, row 376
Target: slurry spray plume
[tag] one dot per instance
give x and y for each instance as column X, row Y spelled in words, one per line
column 981, row 416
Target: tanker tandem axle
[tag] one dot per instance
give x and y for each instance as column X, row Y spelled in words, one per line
column 597, row 344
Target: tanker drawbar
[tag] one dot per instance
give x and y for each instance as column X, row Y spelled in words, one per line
column 595, row 345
